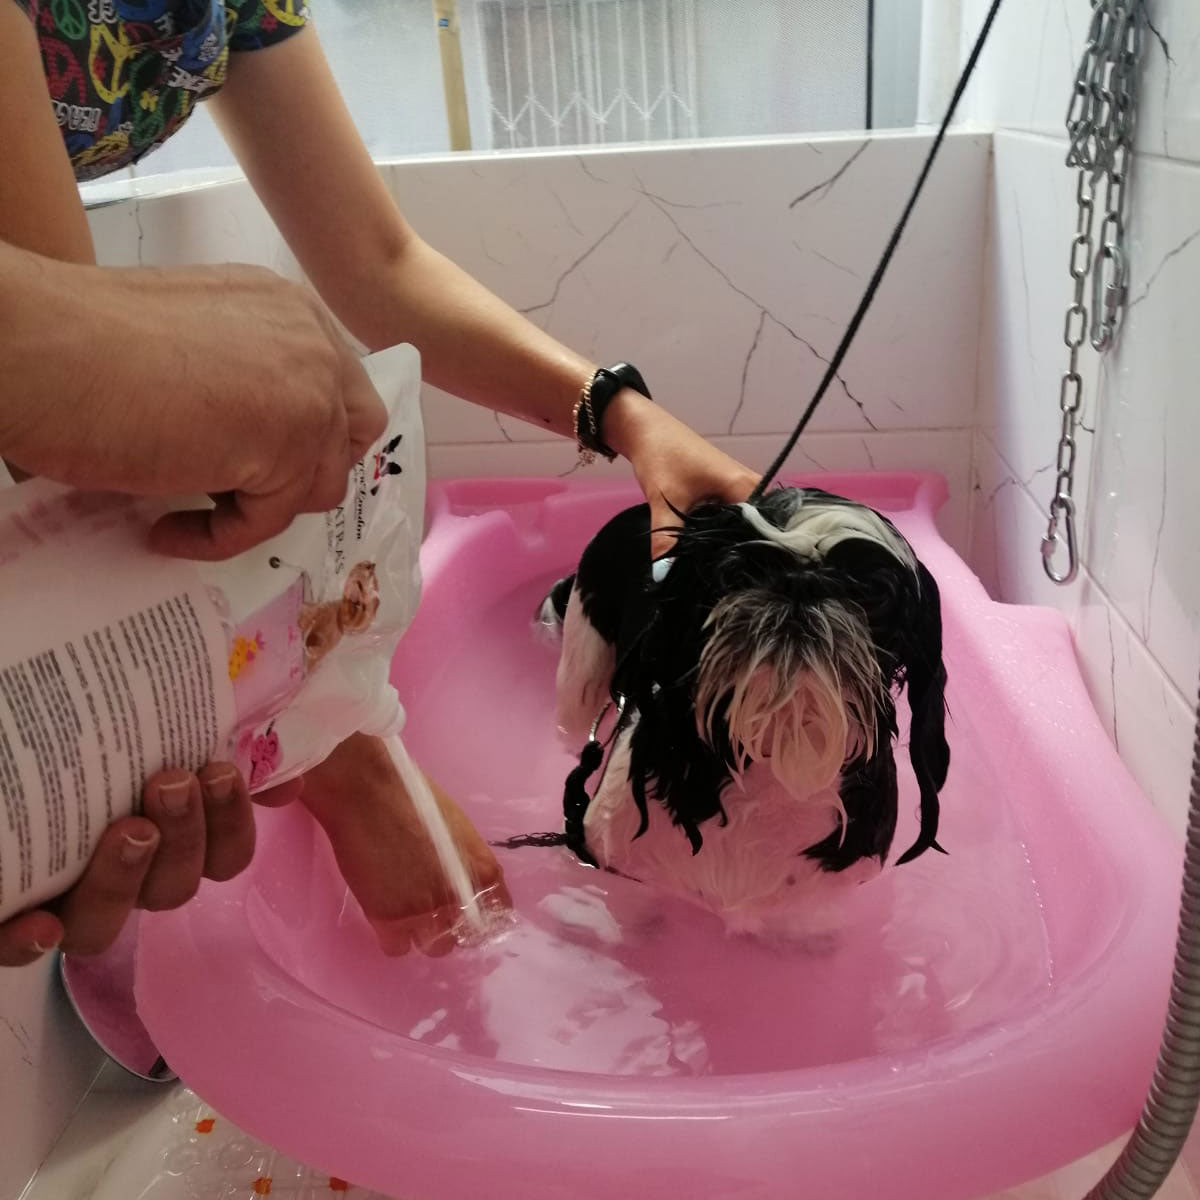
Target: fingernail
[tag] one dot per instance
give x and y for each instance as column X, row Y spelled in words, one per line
column 38, row 948
column 219, row 788
column 174, row 797
column 137, row 850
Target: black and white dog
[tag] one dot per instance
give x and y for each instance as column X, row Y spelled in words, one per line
column 757, row 670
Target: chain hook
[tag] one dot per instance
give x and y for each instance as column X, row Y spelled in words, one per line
column 1100, row 126
column 1108, row 295
column 1062, row 510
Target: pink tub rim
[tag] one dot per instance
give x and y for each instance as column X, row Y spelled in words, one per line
column 221, row 1011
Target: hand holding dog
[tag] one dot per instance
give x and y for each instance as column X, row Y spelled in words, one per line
column 675, row 467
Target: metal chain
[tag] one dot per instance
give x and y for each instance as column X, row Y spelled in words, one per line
column 1100, row 124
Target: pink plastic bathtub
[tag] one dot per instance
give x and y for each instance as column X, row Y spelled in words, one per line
column 981, row 1019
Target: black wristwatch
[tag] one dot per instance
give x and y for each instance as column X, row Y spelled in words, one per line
column 588, row 415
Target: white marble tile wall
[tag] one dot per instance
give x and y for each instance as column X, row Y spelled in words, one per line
column 1135, row 610
column 725, row 271
column 1024, row 79
column 728, row 270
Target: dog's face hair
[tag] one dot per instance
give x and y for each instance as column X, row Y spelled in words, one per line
column 779, row 634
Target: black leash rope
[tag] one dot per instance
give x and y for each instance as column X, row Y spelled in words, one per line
column 877, row 278
column 576, row 798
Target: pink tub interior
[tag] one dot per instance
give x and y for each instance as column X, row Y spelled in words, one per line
column 981, row 1019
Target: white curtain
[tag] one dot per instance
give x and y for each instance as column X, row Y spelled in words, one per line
column 557, row 72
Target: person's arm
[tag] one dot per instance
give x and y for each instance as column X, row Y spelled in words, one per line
column 39, row 205
column 138, row 381
column 39, row 202
column 284, row 117
column 96, row 393
column 281, row 112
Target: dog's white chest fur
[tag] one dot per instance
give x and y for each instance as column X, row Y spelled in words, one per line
column 751, row 871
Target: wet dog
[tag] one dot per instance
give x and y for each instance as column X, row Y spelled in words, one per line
column 753, row 676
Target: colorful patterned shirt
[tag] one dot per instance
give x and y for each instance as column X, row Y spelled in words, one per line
column 124, row 75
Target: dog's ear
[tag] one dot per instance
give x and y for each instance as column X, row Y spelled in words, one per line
column 560, row 593
column 553, row 608
column 925, row 674
column 870, row 800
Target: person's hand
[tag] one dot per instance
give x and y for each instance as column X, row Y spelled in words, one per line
column 386, row 856
column 225, row 380
column 193, row 827
column 675, row 467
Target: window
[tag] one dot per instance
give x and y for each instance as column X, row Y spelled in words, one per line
column 585, row 72
column 546, row 73
column 580, row 72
